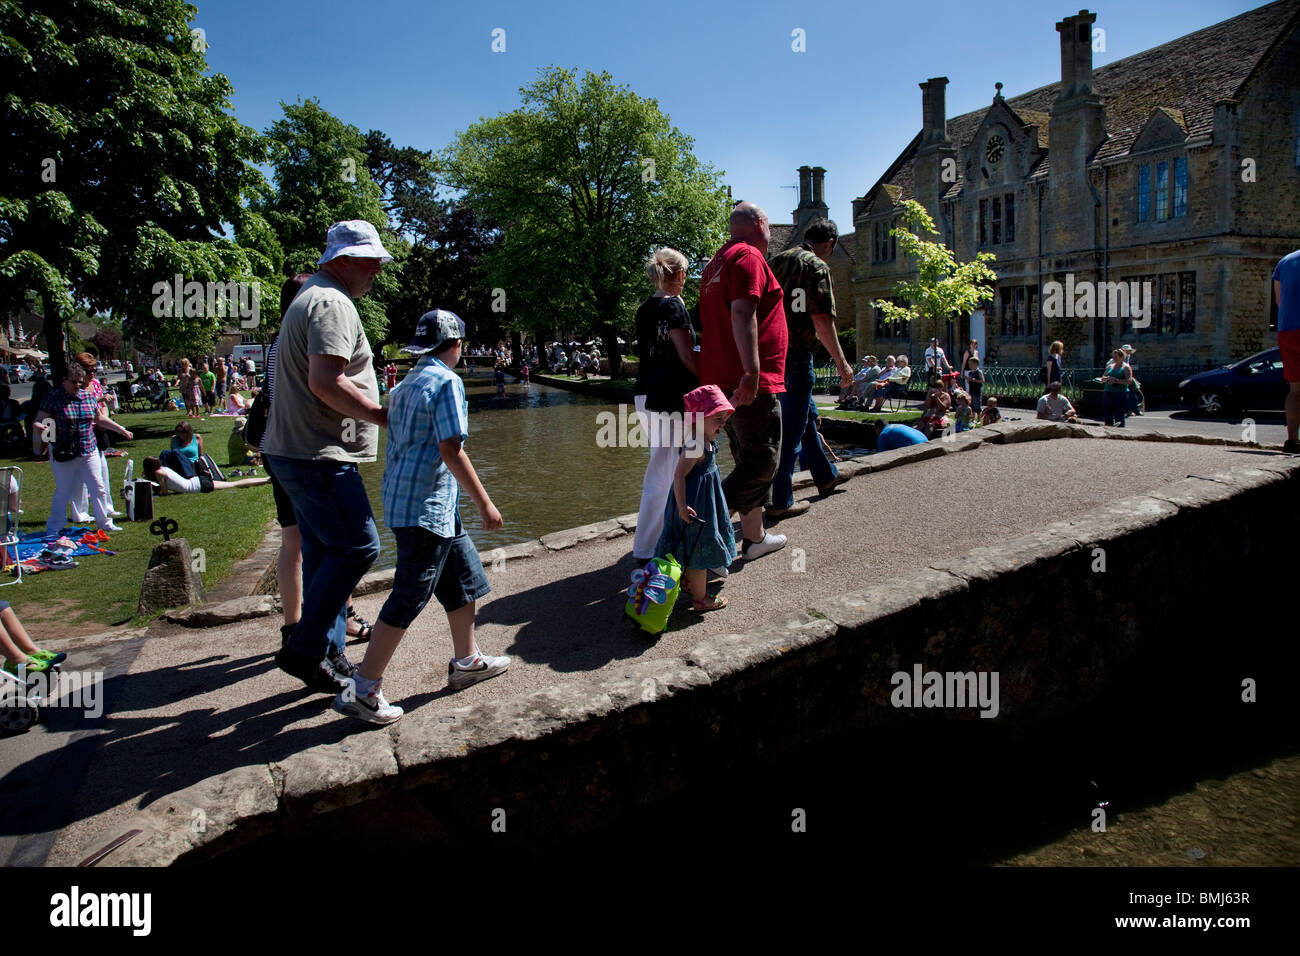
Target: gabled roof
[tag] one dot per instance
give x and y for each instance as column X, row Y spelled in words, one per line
column 1186, row 77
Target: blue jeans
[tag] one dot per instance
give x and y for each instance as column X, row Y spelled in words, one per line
column 798, row 431
column 339, row 544
column 1112, row 407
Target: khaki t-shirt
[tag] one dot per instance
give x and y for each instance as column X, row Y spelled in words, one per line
column 321, row 321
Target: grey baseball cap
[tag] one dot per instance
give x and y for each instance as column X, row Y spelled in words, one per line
column 433, row 329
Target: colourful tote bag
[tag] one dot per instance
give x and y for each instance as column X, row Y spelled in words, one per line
column 653, row 594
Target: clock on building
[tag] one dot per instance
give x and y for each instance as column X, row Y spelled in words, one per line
column 994, row 148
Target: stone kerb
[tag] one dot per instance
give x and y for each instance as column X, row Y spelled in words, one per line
column 1026, row 609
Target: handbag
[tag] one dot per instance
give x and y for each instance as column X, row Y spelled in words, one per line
column 255, row 425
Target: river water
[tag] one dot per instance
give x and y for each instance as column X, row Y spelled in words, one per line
column 536, row 451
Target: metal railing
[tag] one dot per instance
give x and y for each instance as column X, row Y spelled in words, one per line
column 1023, row 382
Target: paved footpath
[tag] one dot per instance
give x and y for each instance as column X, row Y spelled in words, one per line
column 195, row 702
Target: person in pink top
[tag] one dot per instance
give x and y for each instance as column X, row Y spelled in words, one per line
column 744, row 339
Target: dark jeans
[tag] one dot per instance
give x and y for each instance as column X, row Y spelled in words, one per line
column 798, row 431
column 339, row 544
column 1112, row 408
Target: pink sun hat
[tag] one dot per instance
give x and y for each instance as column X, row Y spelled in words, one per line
column 707, row 400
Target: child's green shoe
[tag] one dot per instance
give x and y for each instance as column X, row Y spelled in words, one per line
column 54, row 657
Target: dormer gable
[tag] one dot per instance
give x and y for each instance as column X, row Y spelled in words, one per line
column 1164, row 128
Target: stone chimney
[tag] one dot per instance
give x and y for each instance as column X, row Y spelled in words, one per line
column 934, row 151
column 1076, row 55
column 1076, row 128
column 819, row 187
column 934, row 115
column 805, row 186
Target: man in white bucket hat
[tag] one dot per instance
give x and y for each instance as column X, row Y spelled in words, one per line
column 325, row 419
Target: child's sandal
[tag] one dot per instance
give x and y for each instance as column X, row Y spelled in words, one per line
column 703, row 606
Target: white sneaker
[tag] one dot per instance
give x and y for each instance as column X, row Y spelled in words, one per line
column 110, row 527
column 719, row 571
column 116, row 514
column 81, row 519
column 373, row 708
column 771, row 542
column 460, row 676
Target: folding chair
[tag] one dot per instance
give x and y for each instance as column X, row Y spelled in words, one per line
column 14, row 474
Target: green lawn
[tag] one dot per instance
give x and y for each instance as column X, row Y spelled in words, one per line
column 905, row 417
column 104, row 590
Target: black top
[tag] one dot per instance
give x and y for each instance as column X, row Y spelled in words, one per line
column 661, row 377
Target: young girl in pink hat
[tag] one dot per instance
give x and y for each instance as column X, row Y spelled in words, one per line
column 697, row 522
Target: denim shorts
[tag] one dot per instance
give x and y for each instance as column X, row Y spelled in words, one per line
column 430, row 565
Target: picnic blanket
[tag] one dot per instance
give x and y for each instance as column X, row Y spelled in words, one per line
column 33, row 545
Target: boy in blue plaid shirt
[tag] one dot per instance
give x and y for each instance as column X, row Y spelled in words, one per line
column 426, row 466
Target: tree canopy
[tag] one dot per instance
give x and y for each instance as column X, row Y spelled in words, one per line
column 587, row 179
column 942, row 287
column 122, row 167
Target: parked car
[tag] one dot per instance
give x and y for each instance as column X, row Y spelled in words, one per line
column 14, row 374
column 1252, row 383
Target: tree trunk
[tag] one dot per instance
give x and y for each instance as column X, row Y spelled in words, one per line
column 516, row 348
column 609, row 338
column 53, row 329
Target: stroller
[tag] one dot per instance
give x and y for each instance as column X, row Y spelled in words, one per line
column 144, row 396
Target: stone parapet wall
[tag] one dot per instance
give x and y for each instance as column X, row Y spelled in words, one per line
column 585, row 753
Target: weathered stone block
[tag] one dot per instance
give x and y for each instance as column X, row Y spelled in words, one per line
column 559, row 540
column 327, row 777
column 224, row 612
column 170, row 580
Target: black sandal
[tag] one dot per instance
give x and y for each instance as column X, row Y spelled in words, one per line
column 367, row 628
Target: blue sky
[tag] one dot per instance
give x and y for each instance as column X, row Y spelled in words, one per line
column 724, row 72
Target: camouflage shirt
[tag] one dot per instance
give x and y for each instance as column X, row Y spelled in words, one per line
column 806, row 283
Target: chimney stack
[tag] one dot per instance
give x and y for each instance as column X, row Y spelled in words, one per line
column 934, row 116
column 818, row 186
column 805, row 186
column 1076, row 55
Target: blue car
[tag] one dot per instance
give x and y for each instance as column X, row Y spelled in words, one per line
column 1253, row 383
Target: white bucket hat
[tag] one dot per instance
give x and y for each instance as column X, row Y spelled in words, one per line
column 354, row 237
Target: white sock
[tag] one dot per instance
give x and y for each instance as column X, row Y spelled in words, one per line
column 467, row 661
column 364, row 686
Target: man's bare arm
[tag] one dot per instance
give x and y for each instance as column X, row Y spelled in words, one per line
column 327, row 380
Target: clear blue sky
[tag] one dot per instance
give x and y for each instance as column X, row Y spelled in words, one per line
column 723, row 71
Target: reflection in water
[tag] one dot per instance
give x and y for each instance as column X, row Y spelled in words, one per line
column 535, row 451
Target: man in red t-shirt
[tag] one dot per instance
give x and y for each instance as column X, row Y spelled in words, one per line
column 742, row 351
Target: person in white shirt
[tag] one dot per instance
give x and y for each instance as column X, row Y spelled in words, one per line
column 1055, row 407
column 935, row 360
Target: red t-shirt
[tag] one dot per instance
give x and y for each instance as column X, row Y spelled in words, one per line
column 737, row 271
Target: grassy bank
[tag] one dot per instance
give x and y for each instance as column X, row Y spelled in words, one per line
column 104, row 590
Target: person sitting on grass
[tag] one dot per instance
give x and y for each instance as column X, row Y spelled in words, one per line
column 934, row 416
column 169, row 482
column 186, row 442
column 962, row 413
column 20, row 653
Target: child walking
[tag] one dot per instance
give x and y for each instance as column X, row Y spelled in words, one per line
column 193, row 389
column 428, row 421
column 697, row 522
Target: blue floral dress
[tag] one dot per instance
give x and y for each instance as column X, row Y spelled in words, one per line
column 708, row 541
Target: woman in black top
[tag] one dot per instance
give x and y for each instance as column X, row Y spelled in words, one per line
column 667, row 369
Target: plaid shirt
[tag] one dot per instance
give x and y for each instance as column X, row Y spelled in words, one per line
column 74, row 418
column 427, row 407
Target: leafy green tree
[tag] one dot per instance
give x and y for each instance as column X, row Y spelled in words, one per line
column 321, row 177
column 121, row 166
column 942, row 286
column 587, row 179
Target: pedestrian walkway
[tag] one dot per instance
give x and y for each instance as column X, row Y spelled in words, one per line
column 199, row 702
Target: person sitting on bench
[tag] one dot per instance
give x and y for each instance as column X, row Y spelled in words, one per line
column 894, row 385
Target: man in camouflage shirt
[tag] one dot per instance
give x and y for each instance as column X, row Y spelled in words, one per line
column 810, row 317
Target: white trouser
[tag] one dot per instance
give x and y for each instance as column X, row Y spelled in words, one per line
column 79, row 501
column 664, row 443
column 68, row 478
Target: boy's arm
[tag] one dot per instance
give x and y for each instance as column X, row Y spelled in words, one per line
column 454, row 457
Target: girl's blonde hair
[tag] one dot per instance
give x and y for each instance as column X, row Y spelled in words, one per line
column 664, row 263
column 1056, row 348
